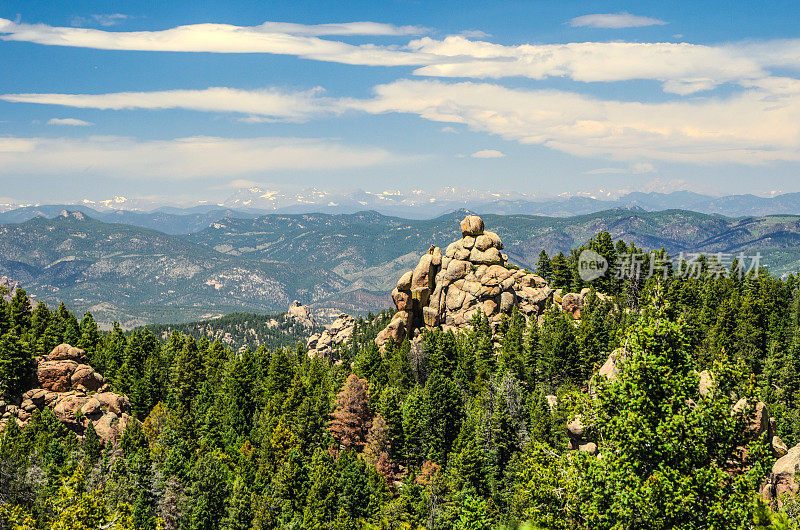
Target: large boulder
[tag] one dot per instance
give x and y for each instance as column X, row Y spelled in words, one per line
column 781, row 481
column 572, row 304
column 472, row 225
column 75, row 392
column 56, row 375
column 610, row 368
column 334, row 336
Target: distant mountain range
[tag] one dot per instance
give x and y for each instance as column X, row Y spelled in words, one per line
column 249, row 203
column 345, row 262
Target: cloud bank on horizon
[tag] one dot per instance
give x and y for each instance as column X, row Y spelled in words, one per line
column 646, row 105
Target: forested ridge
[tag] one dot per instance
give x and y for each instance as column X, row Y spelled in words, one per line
column 455, row 432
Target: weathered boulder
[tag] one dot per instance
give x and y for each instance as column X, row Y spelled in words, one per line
column 610, row 368
column 572, row 304
column 397, row 330
column 757, row 417
column 402, row 300
column 56, row 375
column 85, row 378
column 66, row 352
column 404, row 283
column 779, row 448
column 301, row 314
column 332, row 337
column 472, row 225
column 706, row 382
column 782, row 478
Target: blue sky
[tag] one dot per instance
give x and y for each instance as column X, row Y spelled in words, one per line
column 190, row 100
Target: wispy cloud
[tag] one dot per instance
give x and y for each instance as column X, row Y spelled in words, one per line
column 348, row 28
column 615, row 21
column 487, row 153
column 105, row 20
column 682, row 68
column 270, row 37
column 637, row 169
column 754, row 127
column 273, row 104
column 181, row 158
column 69, row 121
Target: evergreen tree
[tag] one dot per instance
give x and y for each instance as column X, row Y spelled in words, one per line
column 562, row 275
column 16, row 364
column 239, row 512
column 543, row 266
column 20, row 312
column 443, row 412
column 90, row 340
column 352, row 416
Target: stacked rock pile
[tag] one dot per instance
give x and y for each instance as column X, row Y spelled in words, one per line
column 77, row 394
column 447, row 289
column 335, row 335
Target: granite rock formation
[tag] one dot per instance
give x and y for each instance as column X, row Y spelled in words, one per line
column 333, row 336
column 301, row 314
column 446, row 289
column 77, row 394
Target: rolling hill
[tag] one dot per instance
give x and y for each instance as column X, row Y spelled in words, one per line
column 348, row 262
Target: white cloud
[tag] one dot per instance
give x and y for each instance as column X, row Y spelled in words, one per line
column 615, row 21
column 271, row 103
column 181, row 158
column 758, row 125
column 105, row 20
column 638, row 168
column 682, row 67
column 474, row 34
column 753, row 127
column 69, row 121
column 449, row 130
column 275, row 38
column 348, row 28
column 487, row 153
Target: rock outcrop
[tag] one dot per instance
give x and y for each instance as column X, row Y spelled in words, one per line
column 301, row 314
column 335, row 335
column 447, row 289
column 77, row 394
column 11, row 288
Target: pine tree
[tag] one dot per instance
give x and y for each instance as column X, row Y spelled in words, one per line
column 352, row 416
column 562, row 275
column 543, row 267
column 113, row 352
column 239, row 512
column 511, row 346
column 91, row 446
column 677, row 478
column 90, row 340
column 443, row 412
column 208, row 494
column 321, row 505
column 390, row 409
column 20, row 312
column 16, row 364
column 414, row 425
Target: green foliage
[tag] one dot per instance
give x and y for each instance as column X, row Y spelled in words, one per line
column 458, row 430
